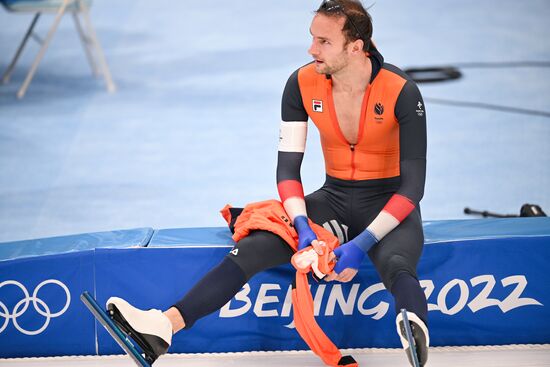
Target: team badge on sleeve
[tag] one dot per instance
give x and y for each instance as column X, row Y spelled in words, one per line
column 420, row 110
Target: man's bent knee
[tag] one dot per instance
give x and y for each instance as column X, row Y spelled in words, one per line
column 396, row 265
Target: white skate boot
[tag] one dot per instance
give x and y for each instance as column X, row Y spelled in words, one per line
column 420, row 335
column 150, row 329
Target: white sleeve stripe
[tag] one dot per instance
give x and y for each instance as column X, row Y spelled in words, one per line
column 383, row 224
column 292, row 136
column 294, row 207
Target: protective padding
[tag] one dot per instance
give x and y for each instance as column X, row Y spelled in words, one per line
column 485, row 282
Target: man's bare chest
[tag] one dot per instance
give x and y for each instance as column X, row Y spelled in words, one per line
column 348, row 108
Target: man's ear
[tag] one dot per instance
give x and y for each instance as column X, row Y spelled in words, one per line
column 357, row 46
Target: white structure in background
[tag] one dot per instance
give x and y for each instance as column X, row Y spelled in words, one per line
column 87, row 35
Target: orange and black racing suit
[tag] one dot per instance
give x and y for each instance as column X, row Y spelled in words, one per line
column 373, row 186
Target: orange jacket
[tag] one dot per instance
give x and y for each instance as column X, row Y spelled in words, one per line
column 271, row 216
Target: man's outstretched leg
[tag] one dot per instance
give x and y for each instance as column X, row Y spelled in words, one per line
column 152, row 330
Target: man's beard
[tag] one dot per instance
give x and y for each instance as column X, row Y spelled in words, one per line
column 340, row 63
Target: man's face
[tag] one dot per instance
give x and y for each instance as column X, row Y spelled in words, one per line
column 328, row 47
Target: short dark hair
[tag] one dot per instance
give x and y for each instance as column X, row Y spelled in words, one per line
column 358, row 23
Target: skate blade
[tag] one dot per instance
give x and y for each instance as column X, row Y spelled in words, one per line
column 413, row 357
column 113, row 330
column 122, row 324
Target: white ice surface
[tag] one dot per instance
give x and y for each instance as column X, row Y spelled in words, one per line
column 515, row 356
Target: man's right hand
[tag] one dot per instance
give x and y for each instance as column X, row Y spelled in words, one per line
column 305, row 238
column 305, row 234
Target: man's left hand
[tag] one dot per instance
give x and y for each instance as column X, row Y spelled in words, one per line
column 345, row 276
column 349, row 258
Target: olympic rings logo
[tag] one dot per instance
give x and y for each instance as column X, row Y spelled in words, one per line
column 39, row 305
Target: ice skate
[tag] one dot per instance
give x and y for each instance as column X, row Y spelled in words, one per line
column 420, row 336
column 150, row 329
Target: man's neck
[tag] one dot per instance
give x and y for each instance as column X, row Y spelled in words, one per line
column 354, row 78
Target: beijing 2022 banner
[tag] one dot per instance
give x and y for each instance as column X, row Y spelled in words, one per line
column 480, row 291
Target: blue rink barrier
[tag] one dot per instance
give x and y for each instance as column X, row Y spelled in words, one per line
column 485, row 281
column 138, row 237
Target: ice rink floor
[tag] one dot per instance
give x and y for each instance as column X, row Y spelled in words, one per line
column 505, row 356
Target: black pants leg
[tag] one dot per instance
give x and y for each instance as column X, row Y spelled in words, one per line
column 258, row 251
